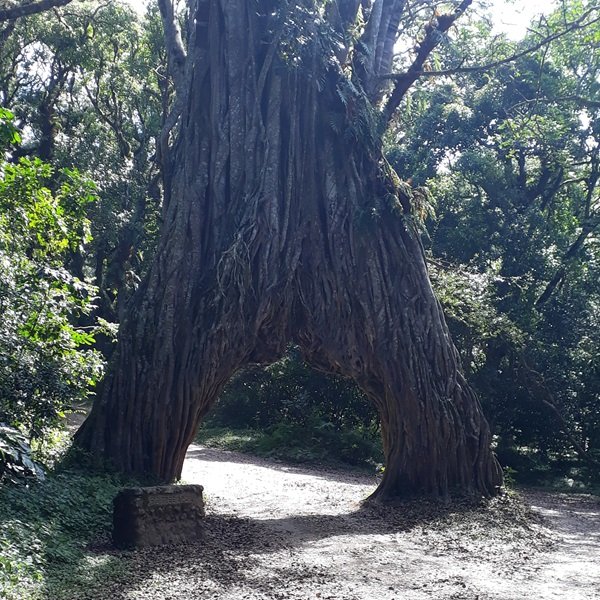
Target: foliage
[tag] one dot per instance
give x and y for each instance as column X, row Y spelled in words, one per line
column 315, row 442
column 511, row 156
column 43, row 531
column 46, row 364
column 295, row 413
column 289, row 391
column 16, row 462
column 85, row 85
column 89, row 85
column 9, row 134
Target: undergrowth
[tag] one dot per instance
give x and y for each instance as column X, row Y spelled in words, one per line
column 44, row 530
column 316, row 442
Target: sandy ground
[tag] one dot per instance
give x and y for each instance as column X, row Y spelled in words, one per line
column 275, row 531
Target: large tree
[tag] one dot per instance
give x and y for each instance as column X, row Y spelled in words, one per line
column 283, row 222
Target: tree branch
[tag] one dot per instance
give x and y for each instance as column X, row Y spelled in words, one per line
column 573, row 26
column 588, row 228
column 124, row 146
column 434, row 32
column 374, row 50
column 341, row 14
column 173, row 42
column 6, row 31
column 587, row 102
column 31, row 8
column 536, row 384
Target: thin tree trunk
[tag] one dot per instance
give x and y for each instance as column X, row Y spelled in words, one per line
column 286, row 224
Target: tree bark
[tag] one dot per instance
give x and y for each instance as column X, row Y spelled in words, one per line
column 285, row 223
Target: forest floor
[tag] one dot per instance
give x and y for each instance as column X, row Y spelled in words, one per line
column 276, row 531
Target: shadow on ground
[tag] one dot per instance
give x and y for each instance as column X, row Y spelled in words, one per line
column 234, row 553
column 282, row 554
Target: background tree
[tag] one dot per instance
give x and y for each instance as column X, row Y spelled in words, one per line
column 45, row 365
column 74, row 80
column 88, row 87
column 511, row 155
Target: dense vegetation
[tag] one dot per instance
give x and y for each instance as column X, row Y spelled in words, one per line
column 506, row 160
column 44, row 531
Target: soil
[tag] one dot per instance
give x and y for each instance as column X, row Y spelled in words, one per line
column 276, row 531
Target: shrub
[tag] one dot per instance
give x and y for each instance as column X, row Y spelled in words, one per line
column 46, row 360
column 44, row 529
column 290, row 391
column 16, row 462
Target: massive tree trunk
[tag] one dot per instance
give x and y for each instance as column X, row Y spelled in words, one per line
column 284, row 223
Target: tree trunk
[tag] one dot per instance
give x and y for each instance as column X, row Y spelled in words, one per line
column 286, row 224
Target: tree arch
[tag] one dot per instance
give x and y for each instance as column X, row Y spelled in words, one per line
column 283, row 222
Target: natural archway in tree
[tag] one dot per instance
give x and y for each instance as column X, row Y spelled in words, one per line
column 283, row 222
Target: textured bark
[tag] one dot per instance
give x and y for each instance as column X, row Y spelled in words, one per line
column 286, row 224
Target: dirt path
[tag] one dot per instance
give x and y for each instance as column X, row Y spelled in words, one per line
column 275, row 531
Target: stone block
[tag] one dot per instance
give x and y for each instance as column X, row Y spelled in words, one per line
column 152, row 516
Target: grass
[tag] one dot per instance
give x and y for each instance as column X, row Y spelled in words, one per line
column 45, row 530
column 223, row 438
column 314, row 442
column 525, row 466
